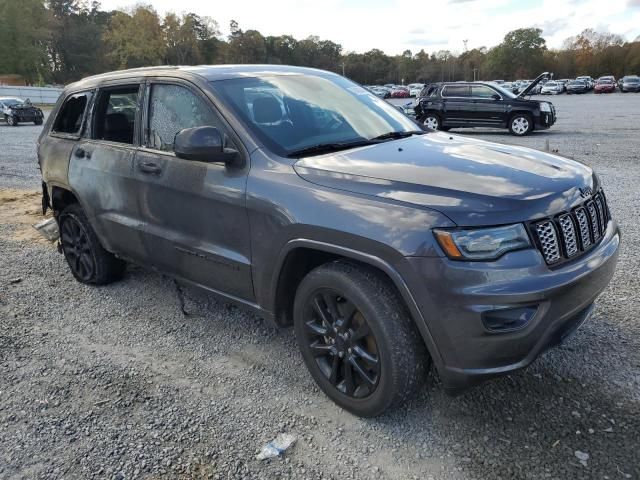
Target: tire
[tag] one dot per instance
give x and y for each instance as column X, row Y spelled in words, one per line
column 11, row 120
column 521, row 124
column 378, row 338
column 38, row 121
column 432, row 121
column 88, row 261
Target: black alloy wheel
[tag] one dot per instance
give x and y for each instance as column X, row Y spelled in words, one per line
column 342, row 343
column 88, row 261
column 357, row 338
column 77, row 250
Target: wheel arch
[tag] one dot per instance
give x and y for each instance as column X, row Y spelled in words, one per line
column 300, row 256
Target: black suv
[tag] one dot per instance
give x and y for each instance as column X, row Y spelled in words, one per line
column 304, row 197
column 455, row 105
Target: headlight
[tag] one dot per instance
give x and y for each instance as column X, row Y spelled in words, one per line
column 545, row 107
column 482, row 243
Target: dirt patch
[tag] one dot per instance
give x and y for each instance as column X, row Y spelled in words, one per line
column 22, row 209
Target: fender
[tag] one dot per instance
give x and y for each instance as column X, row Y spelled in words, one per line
column 368, row 259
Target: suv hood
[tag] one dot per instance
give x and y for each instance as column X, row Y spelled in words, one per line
column 533, row 84
column 471, row 181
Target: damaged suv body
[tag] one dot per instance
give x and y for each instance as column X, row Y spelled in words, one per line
column 14, row 111
column 305, row 198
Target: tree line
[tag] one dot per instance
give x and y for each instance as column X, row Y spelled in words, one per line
column 59, row 41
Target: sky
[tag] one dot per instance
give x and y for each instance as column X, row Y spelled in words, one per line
column 394, row 26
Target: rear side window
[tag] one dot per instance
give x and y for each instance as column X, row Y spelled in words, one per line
column 173, row 108
column 71, row 114
column 115, row 114
column 456, row 91
column 480, row 91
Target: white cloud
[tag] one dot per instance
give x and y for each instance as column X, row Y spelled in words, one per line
column 396, row 25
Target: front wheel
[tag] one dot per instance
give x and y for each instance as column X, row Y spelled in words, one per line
column 357, row 339
column 38, row 121
column 11, row 120
column 520, row 124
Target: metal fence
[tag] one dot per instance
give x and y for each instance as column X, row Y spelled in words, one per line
column 37, row 95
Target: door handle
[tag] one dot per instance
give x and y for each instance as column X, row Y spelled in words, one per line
column 149, row 167
column 82, row 153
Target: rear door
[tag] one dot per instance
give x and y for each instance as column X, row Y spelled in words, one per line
column 195, row 222
column 457, row 105
column 101, row 167
column 487, row 110
column 66, row 130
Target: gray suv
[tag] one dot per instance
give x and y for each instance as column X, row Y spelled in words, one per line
column 304, row 197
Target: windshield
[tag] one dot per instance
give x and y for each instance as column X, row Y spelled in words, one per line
column 293, row 112
column 632, row 79
column 577, row 83
column 10, row 102
column 551, row 84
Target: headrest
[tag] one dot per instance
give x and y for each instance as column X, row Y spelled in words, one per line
column 267, row 110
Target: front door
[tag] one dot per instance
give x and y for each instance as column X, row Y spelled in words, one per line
column 489, row 106
column 195, row 221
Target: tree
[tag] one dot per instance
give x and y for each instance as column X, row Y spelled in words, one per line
column 521, row 54
column 23, row 50
column 135, row 39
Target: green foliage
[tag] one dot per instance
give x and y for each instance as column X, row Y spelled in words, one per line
column 64, row 40
column 24, row 36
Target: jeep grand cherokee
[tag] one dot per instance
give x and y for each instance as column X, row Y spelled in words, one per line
column 304, row 197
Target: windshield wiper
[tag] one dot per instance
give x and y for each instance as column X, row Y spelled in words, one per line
column 329, row 147
column 397, row 135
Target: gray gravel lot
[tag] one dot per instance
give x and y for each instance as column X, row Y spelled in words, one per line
column 115, row 382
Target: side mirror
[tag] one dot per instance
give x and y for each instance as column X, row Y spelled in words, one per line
column 495, row 96
column 203, row 144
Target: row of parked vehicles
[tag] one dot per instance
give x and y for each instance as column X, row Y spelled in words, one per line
column 396, row 91
column 582, row 84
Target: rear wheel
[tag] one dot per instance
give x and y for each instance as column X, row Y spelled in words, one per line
column 88, row 261
column 11, row 120
column 357, row 339
column 521, row 124
column 38, row 121
column 432, row 121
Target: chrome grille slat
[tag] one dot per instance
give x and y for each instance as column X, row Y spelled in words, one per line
column 570, row 234
column 548, row 241
column 593, row 216
column 601, row 215
column 583, row 223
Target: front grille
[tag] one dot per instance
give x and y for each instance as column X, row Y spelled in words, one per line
column 571, row 233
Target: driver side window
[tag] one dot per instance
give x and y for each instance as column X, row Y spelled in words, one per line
column 173, row 108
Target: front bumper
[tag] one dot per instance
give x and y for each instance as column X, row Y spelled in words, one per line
column 455, row 299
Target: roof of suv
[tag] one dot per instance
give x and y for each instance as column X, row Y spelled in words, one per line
column 208, row 72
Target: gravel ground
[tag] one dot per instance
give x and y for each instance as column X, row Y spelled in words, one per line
column 115, row 382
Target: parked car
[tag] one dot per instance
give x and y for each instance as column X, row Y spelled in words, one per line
column 387, row 247
column 479, row 104
column 15, row 110
column 381, row 92
column 578, row 86
column 552, row 88
column 564, row 82
column 605, row 86
column 630, row 83
column 415, row 89
column 400, row 92
column 588, row 80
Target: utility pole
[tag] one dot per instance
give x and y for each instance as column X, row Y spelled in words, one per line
column 465, row 44
column 475, row 70
column 342, row 65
